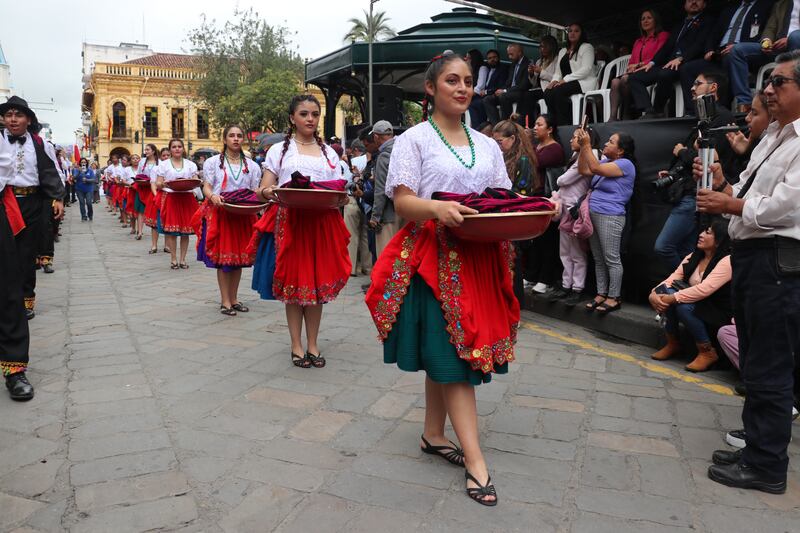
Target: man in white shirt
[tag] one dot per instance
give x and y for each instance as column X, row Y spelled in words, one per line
column 35, row 185
column 765, row 230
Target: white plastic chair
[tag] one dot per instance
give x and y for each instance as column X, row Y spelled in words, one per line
column 578, row 99
column 680, row 109
column 613, row 70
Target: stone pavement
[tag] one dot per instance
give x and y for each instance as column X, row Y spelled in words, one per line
column 155, row 412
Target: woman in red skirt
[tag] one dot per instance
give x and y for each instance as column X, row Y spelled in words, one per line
column 311, row 260
column 177, row 208
column 223, row 237
column 440, row 304
column 147, row 193
column 124, row 181
column 154, row 206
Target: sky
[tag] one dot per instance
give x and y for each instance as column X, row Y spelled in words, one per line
column 46, row 62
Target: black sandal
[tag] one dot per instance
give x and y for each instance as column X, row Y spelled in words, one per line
column 184, row 266
column 173, row 265
column 153, row 251
column 230, row 311
column 591, row 306
column 452, row 454
column 316, row 360
column 604, row 308
column 241, row 308
column 481, row 492
column 166, row 250
column 301, row 361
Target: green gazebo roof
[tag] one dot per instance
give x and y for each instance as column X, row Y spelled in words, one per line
column 403, row 59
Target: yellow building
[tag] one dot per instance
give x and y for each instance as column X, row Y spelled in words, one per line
column 146, row 100
column 149, row 99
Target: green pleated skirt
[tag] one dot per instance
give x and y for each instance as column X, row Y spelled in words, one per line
column 419, row 341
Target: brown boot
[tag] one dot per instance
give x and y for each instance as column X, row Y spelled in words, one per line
column 706, row 357
column 672, row 348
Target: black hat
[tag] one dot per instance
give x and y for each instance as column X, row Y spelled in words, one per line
column 15, row 102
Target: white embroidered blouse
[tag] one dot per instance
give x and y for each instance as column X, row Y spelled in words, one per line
column 318, row 168
column 167, row 171
column 423, row 163
column 237, row 177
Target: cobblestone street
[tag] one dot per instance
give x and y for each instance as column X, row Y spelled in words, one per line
column 155, row 412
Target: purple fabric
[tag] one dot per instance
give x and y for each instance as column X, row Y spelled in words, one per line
column 241, row 197
column 202, row 256
column 729, row 341
column 299, row 181
column 611, row 195
column 496, row 201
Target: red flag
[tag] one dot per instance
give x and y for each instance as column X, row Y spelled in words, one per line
column 109, row 128
column 76, row 155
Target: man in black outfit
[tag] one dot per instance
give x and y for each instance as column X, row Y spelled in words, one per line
column 765, row 230
column 495, row 79
column 686, row 42
column 515, row 87
column 739, row 22
column 32, row 183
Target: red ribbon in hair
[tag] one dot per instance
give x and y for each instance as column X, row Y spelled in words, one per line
column 13, row 213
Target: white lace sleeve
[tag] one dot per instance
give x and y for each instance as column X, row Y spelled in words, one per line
column 405, row 165
column 272, row 161
column 501, row 179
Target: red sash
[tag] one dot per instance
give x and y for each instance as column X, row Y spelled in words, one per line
column 13, row 213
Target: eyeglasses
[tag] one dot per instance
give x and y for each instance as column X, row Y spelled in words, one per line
column 778, row 80
column 698, row 83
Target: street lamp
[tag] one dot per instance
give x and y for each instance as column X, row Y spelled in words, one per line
column 370, row 35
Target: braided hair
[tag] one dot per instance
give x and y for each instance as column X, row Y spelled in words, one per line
column 225, row 132
column 432, row 75
column 296, row 101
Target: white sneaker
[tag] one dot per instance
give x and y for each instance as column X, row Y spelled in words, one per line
column 736, row 438
column 541, row 288
column 795, row 413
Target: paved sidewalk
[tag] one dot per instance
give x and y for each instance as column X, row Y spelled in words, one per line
column 155, row 412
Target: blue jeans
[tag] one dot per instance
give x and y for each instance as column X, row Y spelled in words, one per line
column 85, row 202
column 679, row 234
column 747, row 55
column 683, row 313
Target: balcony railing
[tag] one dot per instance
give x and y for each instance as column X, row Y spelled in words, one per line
column 145, row 71
column 121, row 134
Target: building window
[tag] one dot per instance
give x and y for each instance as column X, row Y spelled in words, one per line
column 118, row 120
column 151, row 122
column 177, row 123
column 202, row 123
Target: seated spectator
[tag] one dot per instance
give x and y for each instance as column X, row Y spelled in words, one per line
column 540, row 74
column 739, row 22
column 697, row 295
column 611, row 190
column 686, row 42
column 644, row 50
column 572, row 185
column 480, row 74
column 520, row 159
column 679, row 234
column 574, row 74
column 516, row 85
column 541, row 263
column 781, row 34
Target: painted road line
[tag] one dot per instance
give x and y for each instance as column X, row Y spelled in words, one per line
column 647, row 365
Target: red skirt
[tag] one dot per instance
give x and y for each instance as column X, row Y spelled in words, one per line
column 144, row 193
column 223, row 237
column 473, row 282
column 130, row 204
column 311, row 263
column 152, row 207
column 176, row 213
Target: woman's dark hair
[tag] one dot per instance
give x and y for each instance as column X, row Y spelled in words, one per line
column 552, row 44
column 296, row 101
column 627, row 145
column 432, row 75
column 175, row 140
column 583, row 39
column 475, row 60
column 594, row 142
column 657, row 28
column 225, row 132
column 719, row 227
column 83, row 160
column 163, row 150
column 153, row 148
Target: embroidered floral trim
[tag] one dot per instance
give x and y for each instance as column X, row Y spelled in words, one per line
column 182, row 230
column 30, row 302
column 242, row 259
column 396, row 287
column 12, row 367
column 479, row 357
column 290, row 294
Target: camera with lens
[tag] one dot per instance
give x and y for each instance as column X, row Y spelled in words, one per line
column 677, row 173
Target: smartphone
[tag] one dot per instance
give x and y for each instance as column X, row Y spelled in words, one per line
column 585, row 122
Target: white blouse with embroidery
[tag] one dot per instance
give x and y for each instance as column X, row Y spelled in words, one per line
column 318, row 168
column 237, row 177
column 167, row 171
column 423, row 163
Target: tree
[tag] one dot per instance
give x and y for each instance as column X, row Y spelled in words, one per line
column 377, row 27
column 250, row 71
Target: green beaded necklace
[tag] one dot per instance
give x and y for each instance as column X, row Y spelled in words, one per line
column 450, row 146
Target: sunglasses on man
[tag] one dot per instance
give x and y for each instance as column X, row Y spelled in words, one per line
column 778, row 80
